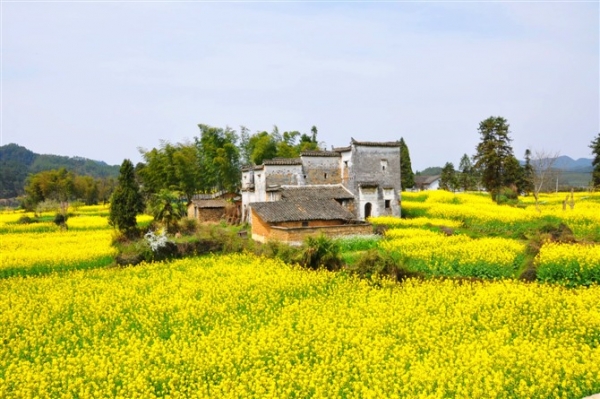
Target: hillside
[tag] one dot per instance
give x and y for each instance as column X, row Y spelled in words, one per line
column 17, row 162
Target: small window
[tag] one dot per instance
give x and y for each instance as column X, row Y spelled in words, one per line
column 305, row 224
column 387, row 204
column 258, row 176
column 384, row 164
column 325, row 175
column 345, row 164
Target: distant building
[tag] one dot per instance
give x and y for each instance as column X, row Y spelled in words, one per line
column 427, row 182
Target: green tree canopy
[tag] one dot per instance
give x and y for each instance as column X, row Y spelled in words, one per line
column 528, row 173
column 406, row 173
column 218, row 159
column 448, row 179
column 167, row 208
column 595, row 146
column 493, row 154
column 126, row 201
column 466, row 178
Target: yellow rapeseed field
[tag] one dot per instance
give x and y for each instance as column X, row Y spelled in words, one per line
column 246, row 327
column 457, row 255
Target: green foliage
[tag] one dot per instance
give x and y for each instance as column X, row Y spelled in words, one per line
column 494, row 154
column 466, row 180
column 171, row 167
column 64, row 186
column 406, row 173
column 321, row 252
column 375, row 263
column 167, row 208
column 448, row 179
column 528, row 174
column 126, row 201
column 595, row 146
column 218, row 159
column 17, row 163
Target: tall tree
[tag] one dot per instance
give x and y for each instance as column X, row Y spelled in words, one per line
column 492, row 155
column 595, row 146
column 448, row 178
column 126, row 201
column 262, row 146
column 407, row 176
column 218, row 158
column 466, row 179
column 527, row 173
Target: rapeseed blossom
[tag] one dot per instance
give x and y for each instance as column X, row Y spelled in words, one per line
column 242, row 326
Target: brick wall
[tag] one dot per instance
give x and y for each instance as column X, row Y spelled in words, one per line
column 261, row 231
column 297, row 235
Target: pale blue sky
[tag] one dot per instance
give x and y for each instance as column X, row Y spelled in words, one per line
column 100, row 79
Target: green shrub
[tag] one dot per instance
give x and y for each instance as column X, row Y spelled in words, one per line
column 376, row 263
column 188, row 225
column 26, row 220
column 321, row 252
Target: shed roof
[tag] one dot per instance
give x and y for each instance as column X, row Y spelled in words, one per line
column 331, row 191
column 209, row 196
column 300, row 210
column 214, row 203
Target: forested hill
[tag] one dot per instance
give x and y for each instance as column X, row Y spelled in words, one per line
column 17, row 162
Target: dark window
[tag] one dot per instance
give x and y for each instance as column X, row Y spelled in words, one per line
column 387, row 204
column 325, row 175
column 304, row 224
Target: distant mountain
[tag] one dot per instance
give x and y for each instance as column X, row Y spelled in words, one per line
column 567, row 163
column 17, row 162
column 431, row 171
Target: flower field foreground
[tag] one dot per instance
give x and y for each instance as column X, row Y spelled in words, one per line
column 241, row 326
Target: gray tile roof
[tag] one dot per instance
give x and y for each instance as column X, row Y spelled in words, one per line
column 300, row 210
column 376, row 144
column 425, row 179
column 342, row 149
column 320, row 154
column 333, row 191
column 283, row 161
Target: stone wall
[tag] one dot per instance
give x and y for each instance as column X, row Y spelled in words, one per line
column 283, row 174
column 210, row 215
column 321, row 170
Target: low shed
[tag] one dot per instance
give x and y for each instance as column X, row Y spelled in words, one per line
column 292, row 221
column 209, row 210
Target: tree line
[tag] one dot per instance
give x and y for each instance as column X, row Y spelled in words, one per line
column 17, row 163
column 495, row 168
column 63, row 186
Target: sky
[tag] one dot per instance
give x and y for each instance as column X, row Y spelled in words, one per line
column 101, row 79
